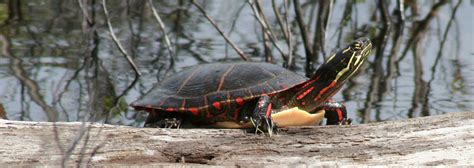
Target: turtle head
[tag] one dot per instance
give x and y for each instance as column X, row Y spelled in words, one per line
column 346, row 62
column 341, row 66
column 332, row 75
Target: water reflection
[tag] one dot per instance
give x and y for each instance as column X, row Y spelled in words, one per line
column 59, row 62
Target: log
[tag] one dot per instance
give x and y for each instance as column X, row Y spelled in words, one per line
column 437, row 140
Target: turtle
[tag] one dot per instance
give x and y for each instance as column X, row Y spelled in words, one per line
column 256, row 95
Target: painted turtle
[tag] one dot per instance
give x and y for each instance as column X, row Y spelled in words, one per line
column 246, row 94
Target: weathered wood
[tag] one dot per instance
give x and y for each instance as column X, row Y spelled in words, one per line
column 439, row 140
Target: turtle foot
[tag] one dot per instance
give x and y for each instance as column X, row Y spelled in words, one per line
column 346, row 121
column 166, row 123
column 262, row 118
column 336, row 113
column 264, row 125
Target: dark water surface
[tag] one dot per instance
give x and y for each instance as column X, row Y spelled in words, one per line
column 56, row 64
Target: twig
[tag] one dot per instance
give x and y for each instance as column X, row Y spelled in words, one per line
column 440, row 54
column 117, row 42
column 162, row 28
column 285, row 27
column 117, row 100
column 286, row 32
column 258, row 13
column 242, row 55
column 419, row 31
column 344, row 20
column 84, row 12
column 304, row 31
column 232, row 27
column 396, row 43
column 387, row 27
column 321, row 27
column 290, row 46
column 267, row 41
column 305, row 35
column 400, row 8
column 267, row 47
column 67, row 155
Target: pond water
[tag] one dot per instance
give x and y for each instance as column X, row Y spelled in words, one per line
column 58, row 61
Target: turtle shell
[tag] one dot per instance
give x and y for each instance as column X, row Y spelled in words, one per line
column 217, row 91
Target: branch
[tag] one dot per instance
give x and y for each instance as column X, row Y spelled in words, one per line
column 305, row 35
column 241, row 54
column 420, row 30
column 117, row 42
column 162, row 28
column 324, row 13
column 290, row 36
column 257, row 10
column 304, row 31
column 286, row 32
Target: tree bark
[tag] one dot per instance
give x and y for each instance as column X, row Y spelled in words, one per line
column 437, row 140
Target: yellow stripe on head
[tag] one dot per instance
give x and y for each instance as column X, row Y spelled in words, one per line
column 343, row 71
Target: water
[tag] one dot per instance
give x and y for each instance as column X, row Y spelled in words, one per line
column 53, row 67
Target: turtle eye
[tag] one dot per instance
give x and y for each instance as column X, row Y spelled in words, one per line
column 356, row 45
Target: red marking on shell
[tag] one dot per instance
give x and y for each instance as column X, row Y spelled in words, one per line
column 303, row 103
column 302, row 95
column 169, row 109
column 339, row 114
column 194, row 110
column 217, row 105
column 324, row 90
column 240, row 101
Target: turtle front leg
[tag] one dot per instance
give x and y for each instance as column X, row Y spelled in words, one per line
column 166, row 123
column 335, row 113
column 163, row 120
column 262, row 116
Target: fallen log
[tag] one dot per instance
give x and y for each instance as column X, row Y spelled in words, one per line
column 437, row 140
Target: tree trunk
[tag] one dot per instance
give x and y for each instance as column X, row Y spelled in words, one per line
column 438, row 140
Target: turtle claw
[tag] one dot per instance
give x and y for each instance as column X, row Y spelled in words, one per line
column 168, row 123
column 346, row 121
column 264, row 125
column 262, row 119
